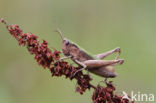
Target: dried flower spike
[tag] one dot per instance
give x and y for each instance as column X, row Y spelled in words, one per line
column 49, row 59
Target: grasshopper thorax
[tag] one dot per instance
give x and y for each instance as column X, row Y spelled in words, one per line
column 71, row 49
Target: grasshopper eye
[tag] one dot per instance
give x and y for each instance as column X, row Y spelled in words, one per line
column 67, row 42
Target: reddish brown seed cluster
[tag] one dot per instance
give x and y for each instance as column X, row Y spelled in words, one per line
column 43, row 55
column 48, row 59
column 106, row 94
column 62, row 68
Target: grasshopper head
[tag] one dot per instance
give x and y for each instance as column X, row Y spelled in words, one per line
column 69, row 48
column 66, row 44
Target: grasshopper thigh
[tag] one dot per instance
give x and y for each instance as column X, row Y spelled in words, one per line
column 101, row 63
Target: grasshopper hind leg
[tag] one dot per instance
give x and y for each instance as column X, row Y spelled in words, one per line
column 103, row 55
column 105, row 81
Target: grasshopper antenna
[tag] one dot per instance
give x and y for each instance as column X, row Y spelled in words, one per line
column 58, row 31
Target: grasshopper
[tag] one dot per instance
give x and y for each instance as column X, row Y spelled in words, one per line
column 93, row 64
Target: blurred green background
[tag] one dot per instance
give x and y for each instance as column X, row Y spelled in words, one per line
column 97, row 26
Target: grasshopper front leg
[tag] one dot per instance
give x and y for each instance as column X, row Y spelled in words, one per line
column 81, row 64
column 65, row 57
column 103, row 55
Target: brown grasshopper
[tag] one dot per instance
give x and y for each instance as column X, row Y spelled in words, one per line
column 93, row 64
